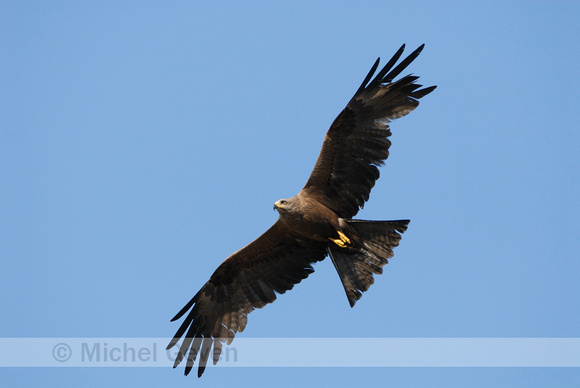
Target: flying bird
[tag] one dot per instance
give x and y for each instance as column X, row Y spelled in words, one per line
column 316, row 222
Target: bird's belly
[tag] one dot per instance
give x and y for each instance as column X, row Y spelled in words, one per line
column 314, row 227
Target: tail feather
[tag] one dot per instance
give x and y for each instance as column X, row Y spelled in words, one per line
column 357, row 265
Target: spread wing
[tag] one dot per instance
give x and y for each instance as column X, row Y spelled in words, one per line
column 358, row 139
column 247, row 280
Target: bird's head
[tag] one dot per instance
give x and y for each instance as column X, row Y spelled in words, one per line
column 284, row 205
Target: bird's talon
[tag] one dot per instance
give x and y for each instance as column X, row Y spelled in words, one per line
column 342, row 242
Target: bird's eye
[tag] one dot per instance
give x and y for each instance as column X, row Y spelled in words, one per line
column 283, row 202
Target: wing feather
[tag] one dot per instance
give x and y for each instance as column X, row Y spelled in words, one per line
column 247, row 280
column 358, row 139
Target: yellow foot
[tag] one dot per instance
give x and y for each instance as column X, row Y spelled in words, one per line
column 342, row 242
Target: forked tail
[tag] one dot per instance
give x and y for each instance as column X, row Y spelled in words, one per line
column 356, row 265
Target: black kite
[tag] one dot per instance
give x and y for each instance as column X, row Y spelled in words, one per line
column 314, row 223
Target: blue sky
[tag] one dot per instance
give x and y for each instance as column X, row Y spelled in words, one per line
column 141, row 144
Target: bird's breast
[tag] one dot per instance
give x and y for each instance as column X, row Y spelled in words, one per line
column 313, row 221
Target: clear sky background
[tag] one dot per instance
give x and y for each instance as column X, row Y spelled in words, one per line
column 143, row 142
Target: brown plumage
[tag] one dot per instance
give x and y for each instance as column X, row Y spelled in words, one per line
column 314, row 223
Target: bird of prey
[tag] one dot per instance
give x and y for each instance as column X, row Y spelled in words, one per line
column 316, row 222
